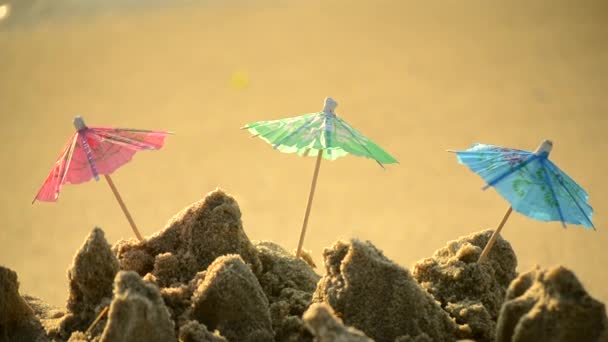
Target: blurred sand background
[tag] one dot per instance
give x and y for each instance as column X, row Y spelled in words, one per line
column 417, row 77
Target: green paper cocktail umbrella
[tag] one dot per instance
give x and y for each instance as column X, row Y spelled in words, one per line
column 320, row 134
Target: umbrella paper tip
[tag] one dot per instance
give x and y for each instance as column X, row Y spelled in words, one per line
column 330, row 105
column 545, row 147
column 79, row 123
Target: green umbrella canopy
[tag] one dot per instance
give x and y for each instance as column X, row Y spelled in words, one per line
column 321, row 131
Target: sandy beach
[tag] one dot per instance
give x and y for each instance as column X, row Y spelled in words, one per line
column 416, row 77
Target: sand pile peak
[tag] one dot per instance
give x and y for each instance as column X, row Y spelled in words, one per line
column 137, row 312
column 288, row 283
column 379, row 297
column 13, row 309
column 90, row 277
column 551, row 305
column 231, row 300
column 178, row 260
column 202, row 280
column 281, row 269
column 190, row 242
column 470, row 292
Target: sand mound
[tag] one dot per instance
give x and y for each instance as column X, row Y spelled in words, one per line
column 202, row 280
column 379, row 297
column 192, row 240
column 137, row 312
column 231, row 300
column 551, row 305
column 288, row 284
column 472, row 293
column 18, row 321
column 326, row 327
column 178, row 261
column 90, row 279
column 281, row 270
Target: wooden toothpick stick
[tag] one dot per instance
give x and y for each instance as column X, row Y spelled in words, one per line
column 99, row 317
column 486, row 250
column 123, row 207
column 309, row 205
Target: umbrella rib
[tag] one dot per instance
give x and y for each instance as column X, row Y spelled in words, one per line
column 65, row 158
column 124, row 140
column 575, row 202
column 487, row 152
column 142, row 131
column 87, row 152
column 308, row 123
column 327, row 136
column 510, row 171
column 550, row 184
column 69, row 159
column 585, row 198
column 343, row 124
column 108, row 151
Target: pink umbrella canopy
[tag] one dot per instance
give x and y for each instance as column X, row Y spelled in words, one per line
column 94, row 151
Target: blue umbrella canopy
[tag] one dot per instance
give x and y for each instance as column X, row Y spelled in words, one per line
column 532, row 184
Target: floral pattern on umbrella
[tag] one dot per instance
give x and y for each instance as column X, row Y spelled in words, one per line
column 532, row 184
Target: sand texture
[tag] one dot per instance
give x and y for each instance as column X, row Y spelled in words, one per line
column 91, row 278
column 288, row 283
column 326, row 327
column 165, row 289
column 472, row 293
column 231, row 300
column 551, row 305
column 137, row 312
column 191, row 241
column 193, row 331
column 17, row 319
column 379, row 297
column 416, row 77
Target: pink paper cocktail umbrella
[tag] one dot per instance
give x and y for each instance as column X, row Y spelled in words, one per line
column 94, row 151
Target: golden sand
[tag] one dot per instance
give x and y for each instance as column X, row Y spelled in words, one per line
column 202, row 279
column 416, row 77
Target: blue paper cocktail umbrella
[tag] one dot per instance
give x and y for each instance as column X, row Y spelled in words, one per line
column 532, row 184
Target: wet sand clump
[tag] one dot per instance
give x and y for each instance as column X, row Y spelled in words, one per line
column 281, row 270
column 326, row 327
column 551, row 305
column 193, row 331
column 178, row 260
column 90, row 277
column 17, row 319
column 470, row 292
column 231, row 300
column 288, row 284
column 190, row 242
column 202, row 280
column 50, row 317
column 166, row 269
column 137, row 312
column 375, row 295
column 178, row 299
